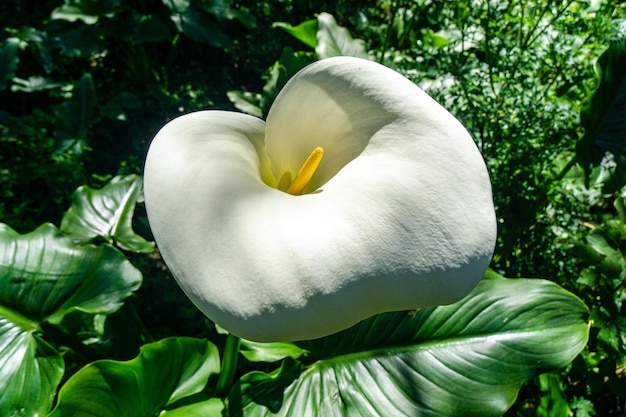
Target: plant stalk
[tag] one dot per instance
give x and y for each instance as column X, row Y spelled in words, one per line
column 229, row 366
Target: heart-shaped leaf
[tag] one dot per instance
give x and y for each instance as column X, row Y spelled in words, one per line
column 469, row 358
column 43, row 276
column 334, row 40
column 107, row 214
column 164, row 377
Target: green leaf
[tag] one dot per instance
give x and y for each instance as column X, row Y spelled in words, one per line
column 34, row 83
column 199, row 27
column 165, row 372
column 436, row 40
column 177, row 6
column 8, row 60
column 269, row 352
column 43, row 276
column 223, row 10
column 306, row 32
column 208, row 408
column 80, row 42
column 553, row 401
column 246, row 101
column 469, row 358
column 87, row 11
column 76, row 115
column 604, row 116
column 107, row 214
column 30, row 370
column 334, row 40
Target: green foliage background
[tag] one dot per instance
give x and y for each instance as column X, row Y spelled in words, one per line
column 541, row 85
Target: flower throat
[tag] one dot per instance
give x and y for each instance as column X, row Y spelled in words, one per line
column 304, row 175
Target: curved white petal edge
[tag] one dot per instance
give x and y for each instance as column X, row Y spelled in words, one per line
column 399, row 214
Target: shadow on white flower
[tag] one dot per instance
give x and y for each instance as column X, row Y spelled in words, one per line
column 393, row 212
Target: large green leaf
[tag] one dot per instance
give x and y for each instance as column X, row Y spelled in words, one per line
column 604, row 116
column 107, row 214
column 43, row 276
column 168, row 375
column 469, row 358
column 30, row 369
column 334, row 40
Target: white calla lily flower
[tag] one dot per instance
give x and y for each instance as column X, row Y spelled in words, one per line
column 394, row 211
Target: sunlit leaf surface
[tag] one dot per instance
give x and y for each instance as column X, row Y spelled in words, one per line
column 165, row 372
column 30, row 371
column 107, row 214
column 43, row 276
column 334, row 40
column 469, row 358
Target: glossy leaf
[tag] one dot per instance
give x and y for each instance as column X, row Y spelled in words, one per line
column 107, row 214
column 604, row 117
column 469, row 358
column 208, row 408
column 164, row 373
column 269, row 352
column 334, row 40
column 306, row 32
column 43, row 276
column 30, row 369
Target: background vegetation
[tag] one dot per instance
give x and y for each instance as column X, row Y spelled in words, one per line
column 541, row 85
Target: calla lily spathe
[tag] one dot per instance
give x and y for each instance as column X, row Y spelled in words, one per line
column 398, row 214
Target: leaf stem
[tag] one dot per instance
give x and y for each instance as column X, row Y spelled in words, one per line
column 229, row 365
